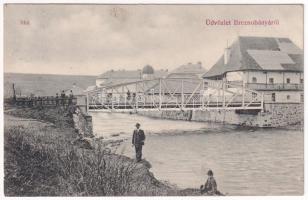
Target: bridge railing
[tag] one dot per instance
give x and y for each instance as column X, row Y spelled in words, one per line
column 45, row 101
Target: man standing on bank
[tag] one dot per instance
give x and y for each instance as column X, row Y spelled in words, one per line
column 138, row 141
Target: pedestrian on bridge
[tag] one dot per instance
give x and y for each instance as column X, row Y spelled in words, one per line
column 71, row 96
column 57, row 100
column 138, row 141
column 63, row 98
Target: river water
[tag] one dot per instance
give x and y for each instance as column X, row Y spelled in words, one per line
column 244, row 161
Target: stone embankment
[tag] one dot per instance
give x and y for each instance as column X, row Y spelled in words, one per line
column 273, row 115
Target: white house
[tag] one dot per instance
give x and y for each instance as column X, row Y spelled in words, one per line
column 271, row 65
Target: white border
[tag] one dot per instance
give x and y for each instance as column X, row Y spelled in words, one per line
column 160, row 2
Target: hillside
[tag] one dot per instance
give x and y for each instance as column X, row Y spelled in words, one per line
column 43, row 84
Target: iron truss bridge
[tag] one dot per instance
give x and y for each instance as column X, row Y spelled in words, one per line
column 173, row 94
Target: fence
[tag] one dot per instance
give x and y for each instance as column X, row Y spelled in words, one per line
column 47, row 101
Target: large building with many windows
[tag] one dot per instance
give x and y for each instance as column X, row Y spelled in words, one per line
column 271, row 65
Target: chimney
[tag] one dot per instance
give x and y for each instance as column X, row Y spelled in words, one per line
column 227, row 55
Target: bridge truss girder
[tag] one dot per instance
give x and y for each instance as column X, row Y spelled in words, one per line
column 173, row 94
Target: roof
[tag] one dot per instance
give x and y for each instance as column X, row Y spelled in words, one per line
column 115, row 81
column 160, row 73
column 127, row 74
column 259, row 53
column 76, row 90
column 91, row 87
column 189, row 68
column 148, row 70
column 130, row 74
column 175, row 86
column 181, row 75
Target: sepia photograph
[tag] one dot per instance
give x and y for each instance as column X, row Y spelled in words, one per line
column 153, row 100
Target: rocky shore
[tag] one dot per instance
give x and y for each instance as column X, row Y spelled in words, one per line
column 41, row 160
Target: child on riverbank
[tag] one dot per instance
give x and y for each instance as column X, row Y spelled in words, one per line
column 210, row 187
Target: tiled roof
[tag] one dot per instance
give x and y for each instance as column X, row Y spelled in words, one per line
column 189, row 68
column 115, row 81
column 76, row 90
column 128, row 74
column 175, row 86
column 259, row 53
column 270, row 60
column 181, row 75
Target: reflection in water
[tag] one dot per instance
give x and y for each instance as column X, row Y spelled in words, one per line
column 245, row 162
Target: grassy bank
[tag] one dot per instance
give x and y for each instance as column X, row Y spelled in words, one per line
column 41, row 161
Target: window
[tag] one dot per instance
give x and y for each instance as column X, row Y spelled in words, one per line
column 302, row 80
column 271, row 80
column 288, row 80
column 273, row 97
column 302, row 98
column 288, row 97
column 254, row 79
column 254, row 95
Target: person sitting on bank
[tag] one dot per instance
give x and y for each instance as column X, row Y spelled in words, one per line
column 138, row 141
column 210, row 187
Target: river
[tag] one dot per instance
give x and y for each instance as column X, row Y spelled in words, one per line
column 244, row 161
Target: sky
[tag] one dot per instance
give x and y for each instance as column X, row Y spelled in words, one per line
column 91, row 39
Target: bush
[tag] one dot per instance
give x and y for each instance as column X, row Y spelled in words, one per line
column 45, row 164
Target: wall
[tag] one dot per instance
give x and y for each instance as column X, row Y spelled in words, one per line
column 83, row 123
column 235, row 76
column 176, row 115
column 261, row 77
column 294, row 77
column 82, row 120
column 282, row 114
column 281, row 96
column 100, row 81
column 279, row 77
column 274, row 115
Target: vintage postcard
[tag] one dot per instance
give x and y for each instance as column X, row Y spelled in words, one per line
column 153, row 100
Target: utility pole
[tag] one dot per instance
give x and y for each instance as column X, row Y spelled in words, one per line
column 160, row 95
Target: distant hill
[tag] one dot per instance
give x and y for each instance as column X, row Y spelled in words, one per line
column 43, row 84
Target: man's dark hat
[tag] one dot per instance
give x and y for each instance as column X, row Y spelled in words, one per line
column 137, row 124
column 210, row 173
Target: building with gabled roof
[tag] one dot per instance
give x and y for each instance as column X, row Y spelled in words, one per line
column 190, row 73
column 258, row 54
column 112, row 77
column 272, row 65
column 189, row 70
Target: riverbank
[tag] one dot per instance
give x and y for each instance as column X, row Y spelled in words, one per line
column 40, row 160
